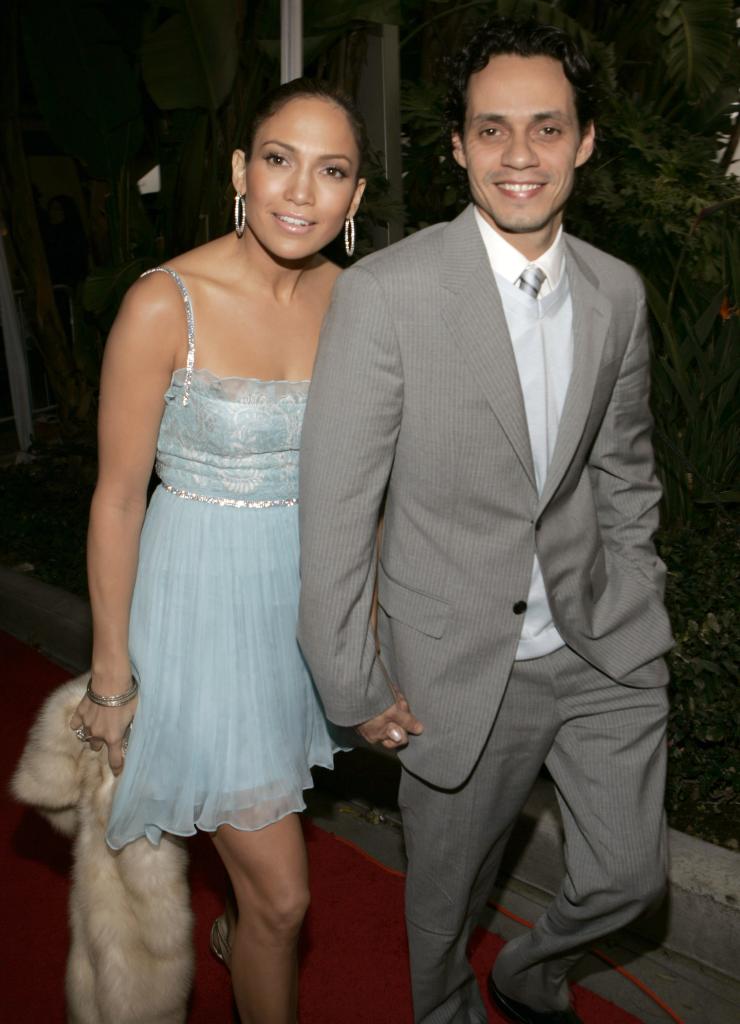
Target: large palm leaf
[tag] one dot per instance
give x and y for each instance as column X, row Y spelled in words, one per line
column 699, row 42
column 190, row 59
column 85, row 85
column 339, row 13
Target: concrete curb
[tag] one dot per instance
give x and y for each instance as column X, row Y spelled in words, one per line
column 699, row 920
column 51, row 619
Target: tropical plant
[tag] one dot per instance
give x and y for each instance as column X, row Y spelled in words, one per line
column 703, row 598
column 123, row 88
column 696, row 396
column 199, row 90
column 22, row 236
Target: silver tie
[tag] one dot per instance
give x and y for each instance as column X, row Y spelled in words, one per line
column 531, row 280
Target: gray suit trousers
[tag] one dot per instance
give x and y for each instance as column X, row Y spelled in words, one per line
column 604, row 744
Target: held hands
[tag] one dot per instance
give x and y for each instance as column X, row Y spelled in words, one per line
column 98, row 725
column 392, row 727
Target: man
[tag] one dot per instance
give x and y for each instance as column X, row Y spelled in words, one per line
column 489, row 378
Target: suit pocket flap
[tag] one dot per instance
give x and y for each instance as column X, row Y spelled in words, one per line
column 420, row 611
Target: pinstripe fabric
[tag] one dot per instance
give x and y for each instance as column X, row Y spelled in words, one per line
column 416, row 388
column 560, row 710
column 416, row 396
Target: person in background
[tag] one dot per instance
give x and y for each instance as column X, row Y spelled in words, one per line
column 65, row 242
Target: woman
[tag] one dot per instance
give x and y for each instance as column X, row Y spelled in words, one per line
column 207, row 370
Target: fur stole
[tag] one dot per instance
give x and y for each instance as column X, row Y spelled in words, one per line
column 131, row 954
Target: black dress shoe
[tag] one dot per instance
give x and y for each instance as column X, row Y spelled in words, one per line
column 520, row 1013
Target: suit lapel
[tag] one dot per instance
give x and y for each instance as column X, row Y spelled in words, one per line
column 475, row 319
column 591, row 319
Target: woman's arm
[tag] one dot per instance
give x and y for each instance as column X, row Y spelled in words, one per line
column 147, row 341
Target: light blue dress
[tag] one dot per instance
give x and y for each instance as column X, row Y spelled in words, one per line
column 228, row 722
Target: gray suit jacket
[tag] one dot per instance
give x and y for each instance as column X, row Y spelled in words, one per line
column 416, row 393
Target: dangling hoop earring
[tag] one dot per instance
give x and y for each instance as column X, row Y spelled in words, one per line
column 240, row 214
column 349, row 236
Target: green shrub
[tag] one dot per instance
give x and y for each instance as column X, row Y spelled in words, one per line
column 703, row 598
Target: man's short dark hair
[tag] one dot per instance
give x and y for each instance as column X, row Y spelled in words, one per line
column 506, row 36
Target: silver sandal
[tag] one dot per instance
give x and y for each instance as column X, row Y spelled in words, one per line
column 219, row 944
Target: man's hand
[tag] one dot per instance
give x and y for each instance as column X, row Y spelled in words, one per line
column 393, row 726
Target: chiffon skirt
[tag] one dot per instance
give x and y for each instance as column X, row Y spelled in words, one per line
column 228, row 722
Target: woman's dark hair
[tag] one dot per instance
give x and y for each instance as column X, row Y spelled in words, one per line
column 308, row 88
column 506, row 36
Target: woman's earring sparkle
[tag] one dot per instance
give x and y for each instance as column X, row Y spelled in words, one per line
column 349, row 235
column 240, row 214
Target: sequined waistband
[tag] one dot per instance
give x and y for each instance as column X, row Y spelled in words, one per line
column 209, row 499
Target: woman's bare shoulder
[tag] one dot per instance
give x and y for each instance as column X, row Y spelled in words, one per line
column 152, row 302
column 155, row 297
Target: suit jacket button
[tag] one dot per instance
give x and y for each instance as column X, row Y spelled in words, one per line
column 520, row 607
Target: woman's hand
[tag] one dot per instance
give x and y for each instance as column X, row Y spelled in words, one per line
column 105, row 726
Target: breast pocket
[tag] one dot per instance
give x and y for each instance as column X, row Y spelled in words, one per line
column 428, row 615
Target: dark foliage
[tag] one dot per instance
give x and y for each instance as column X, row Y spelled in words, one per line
column 45, row 506
column 703, row 598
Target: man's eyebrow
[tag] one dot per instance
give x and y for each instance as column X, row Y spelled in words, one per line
column 553, row 115
column 292, row 149
column 544, row 115
column 488, row 117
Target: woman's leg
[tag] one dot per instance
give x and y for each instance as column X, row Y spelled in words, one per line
column 269, row 873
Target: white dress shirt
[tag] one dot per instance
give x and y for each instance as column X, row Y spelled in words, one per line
column 508, row 262
column 542, row 339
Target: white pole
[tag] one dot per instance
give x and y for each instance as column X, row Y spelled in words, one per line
column 15, row 356
column 291, row 40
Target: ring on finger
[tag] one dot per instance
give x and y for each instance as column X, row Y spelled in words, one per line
column 82, row 733
column 126, row 737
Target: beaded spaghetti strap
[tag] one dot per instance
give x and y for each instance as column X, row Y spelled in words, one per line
column 190, row 320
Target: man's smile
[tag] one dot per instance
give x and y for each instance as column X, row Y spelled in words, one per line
column 520, row 191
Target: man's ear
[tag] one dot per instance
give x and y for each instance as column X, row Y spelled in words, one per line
column 586, row 145
column 458, row 150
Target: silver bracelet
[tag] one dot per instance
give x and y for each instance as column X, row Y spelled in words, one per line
column 117, row 700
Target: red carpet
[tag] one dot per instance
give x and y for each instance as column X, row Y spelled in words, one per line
column 354, row 963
